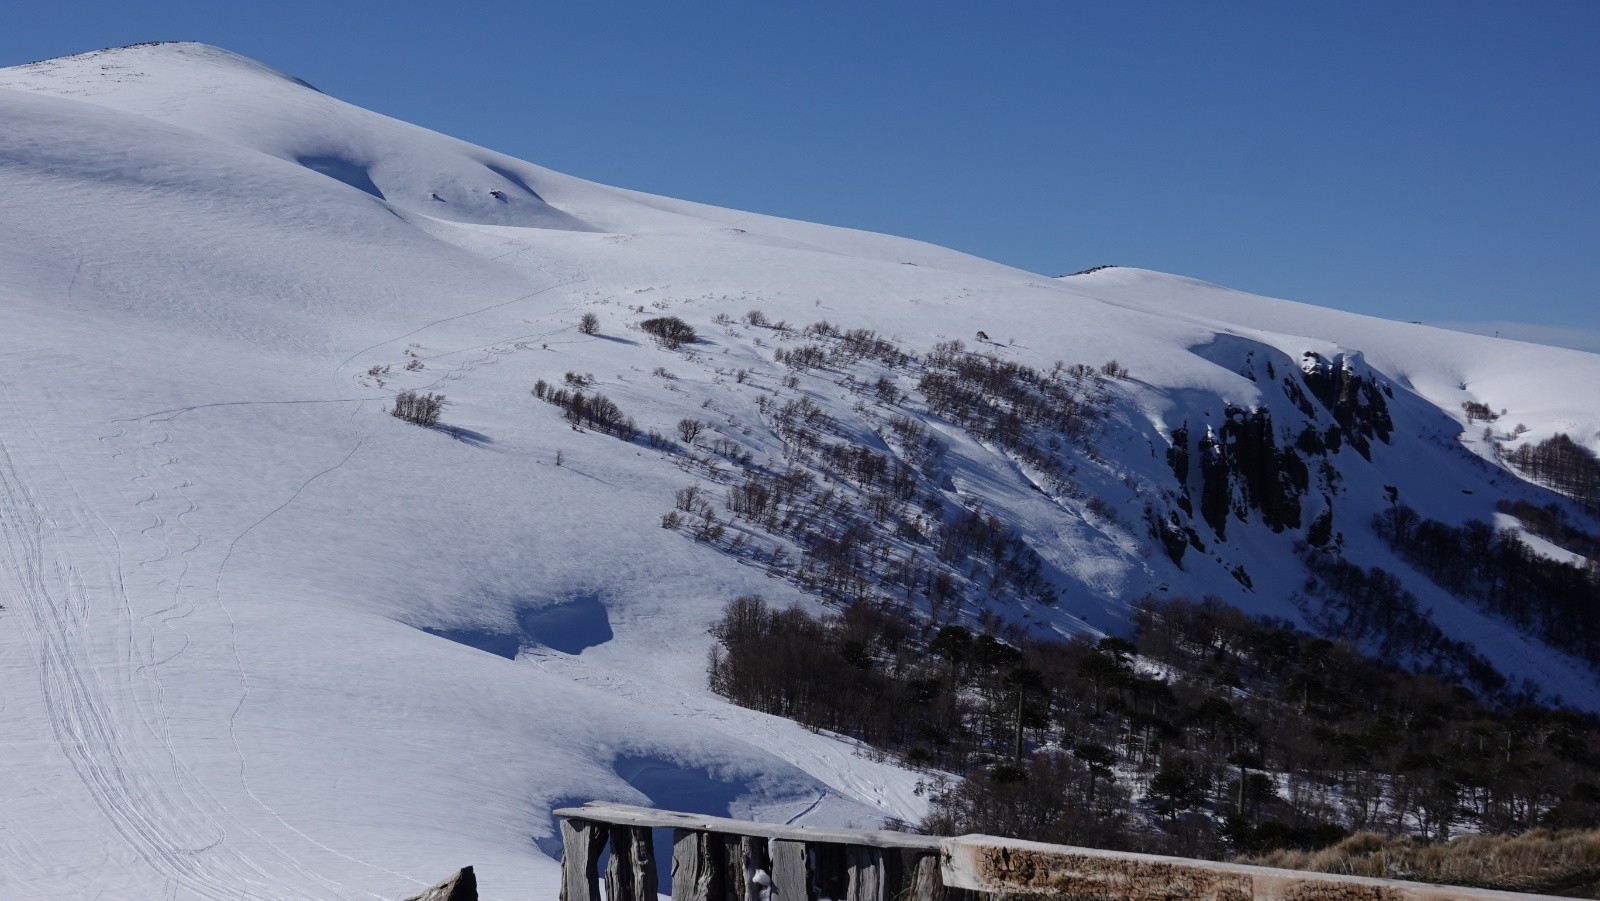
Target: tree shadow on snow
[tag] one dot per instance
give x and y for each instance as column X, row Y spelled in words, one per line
column 467, row 435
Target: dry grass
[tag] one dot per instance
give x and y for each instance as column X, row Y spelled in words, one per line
column 1551, row 862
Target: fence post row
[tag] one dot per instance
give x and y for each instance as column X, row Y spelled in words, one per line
column 719, row 859
column 716, row 859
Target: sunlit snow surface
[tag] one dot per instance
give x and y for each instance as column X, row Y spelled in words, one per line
column 262, row 640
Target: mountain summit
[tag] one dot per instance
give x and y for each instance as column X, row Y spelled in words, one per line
column 263, row 639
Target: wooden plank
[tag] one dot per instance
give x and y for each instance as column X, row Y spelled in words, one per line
column 698, row 867
column 581, row 844
column 791, row 873
column 628, row 815
column 988, row 864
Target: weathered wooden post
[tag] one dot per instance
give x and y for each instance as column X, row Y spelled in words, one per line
column 923, row 882
column 791, row 871
column 747, row 863
column 869, row 873
column 631, row 871
column 699, row 866
column 581, row 844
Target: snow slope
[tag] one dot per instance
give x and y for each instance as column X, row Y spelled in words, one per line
column 262, row 640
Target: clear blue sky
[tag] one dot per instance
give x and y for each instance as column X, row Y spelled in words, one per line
column 1418, row 160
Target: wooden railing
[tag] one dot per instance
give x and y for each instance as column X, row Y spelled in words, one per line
column 718, row 859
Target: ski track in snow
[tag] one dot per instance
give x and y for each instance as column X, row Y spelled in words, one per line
column 164, row 824
column 157, row 806
column 261, row 884
column 244, row 679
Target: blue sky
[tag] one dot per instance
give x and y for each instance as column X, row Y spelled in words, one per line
column 1437, row 161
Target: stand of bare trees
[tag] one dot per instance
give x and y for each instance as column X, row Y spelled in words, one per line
column 1211, row 733
column 418, row 409
column 1564, row 465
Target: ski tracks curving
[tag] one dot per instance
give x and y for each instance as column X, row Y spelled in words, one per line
column 64, row 579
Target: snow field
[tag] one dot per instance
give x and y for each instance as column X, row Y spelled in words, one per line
column 263, row 640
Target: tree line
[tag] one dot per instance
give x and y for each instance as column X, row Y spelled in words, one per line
column 1208, row 733
column 1564, row 465
column 1498, row 571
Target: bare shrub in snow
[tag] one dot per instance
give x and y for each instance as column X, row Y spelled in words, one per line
column 593, row 410
column 1111, row 369
column 687, row 499
column 419, row 409
column 669, row 331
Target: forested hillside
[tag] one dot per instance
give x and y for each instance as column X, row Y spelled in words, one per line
column 1209, row 733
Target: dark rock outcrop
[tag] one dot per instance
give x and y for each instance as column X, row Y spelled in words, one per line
column 1356, row 401
column 1243, row 469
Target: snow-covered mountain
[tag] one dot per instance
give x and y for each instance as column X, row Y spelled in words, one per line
column 261, row 639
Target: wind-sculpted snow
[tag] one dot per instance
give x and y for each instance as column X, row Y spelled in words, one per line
column 263, row 640
column 568, row 626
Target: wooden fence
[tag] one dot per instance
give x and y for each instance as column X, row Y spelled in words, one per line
column 718, row 859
